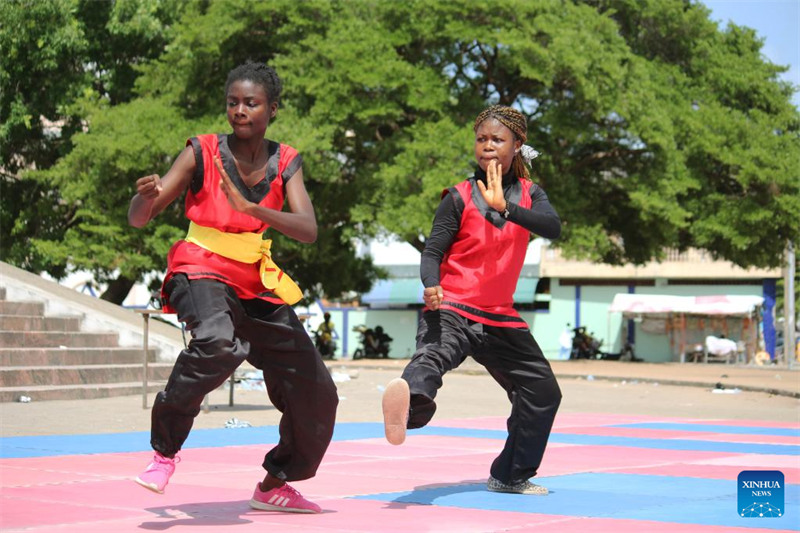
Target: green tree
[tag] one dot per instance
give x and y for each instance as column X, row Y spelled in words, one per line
column 657, row 128
column 40, row 75
column 59, row 58
column 178, row 96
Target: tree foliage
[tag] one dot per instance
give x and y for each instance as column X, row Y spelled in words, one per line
column 60, row 58
column 657, row 128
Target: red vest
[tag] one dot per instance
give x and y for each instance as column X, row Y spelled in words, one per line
column 208, row 206
column 479, row 272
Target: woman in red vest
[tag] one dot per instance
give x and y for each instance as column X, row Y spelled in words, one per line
column 222, row 283
column 470, row 268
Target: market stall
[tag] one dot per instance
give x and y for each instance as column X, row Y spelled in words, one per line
column 687, row 321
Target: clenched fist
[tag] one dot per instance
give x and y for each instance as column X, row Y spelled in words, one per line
column 149, row 187
column 433, row 297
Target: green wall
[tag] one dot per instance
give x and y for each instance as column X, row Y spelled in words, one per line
column 546, row 326
column 400, row 324
column 595, row 301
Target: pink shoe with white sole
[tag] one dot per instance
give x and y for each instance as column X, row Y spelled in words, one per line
column 157, row 474
column 284, row 498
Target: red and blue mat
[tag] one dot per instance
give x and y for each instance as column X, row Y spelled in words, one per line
column 606, row 473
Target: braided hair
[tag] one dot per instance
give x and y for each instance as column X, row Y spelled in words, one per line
column 517, row 123
column 257, row 73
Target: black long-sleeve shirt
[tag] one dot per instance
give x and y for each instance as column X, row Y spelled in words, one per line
column 540, row 219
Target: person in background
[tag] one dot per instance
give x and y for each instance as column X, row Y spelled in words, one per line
column 325, row 333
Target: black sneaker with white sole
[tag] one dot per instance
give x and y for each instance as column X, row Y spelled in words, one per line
column 523, row 487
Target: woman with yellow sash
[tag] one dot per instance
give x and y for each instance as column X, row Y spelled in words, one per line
column 236, row 302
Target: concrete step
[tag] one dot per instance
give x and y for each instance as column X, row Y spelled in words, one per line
column 77, row 392
column 39, row 323
column 21, row 308
column 57, row 344
column 54, row 339
column 81, row 375
column 71, row 356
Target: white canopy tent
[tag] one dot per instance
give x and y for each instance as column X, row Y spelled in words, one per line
column 677, row 311
column 735, row 305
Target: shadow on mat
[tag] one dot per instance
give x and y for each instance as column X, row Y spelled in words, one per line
column 214, row 514
column 198, row 515
column 428, row 494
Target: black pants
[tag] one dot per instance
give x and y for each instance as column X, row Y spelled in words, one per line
column 226, row 331
column 513, row 359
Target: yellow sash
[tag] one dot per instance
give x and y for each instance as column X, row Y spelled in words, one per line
column 247, row 248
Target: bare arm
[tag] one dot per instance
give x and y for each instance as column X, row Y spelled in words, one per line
column 154, row 193
column 299, row 223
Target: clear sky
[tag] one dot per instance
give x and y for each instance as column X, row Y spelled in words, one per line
column 775, row 21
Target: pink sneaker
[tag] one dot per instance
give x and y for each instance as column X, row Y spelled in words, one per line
column 284, row 498
column 157, row 474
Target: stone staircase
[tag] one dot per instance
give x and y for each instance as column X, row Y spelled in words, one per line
column 53, row 356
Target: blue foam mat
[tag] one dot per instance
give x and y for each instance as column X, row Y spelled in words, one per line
column 682, row 500
column 51, row 445
column 677, row 444
column 712, row 428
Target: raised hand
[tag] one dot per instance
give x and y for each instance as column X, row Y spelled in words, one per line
column 492, row 192
column 235, row 198
column 149, row 187
column 433, row 297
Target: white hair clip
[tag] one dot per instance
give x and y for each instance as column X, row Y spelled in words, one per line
column 528, row 153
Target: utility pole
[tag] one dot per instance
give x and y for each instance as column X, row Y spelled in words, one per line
column 789, row 307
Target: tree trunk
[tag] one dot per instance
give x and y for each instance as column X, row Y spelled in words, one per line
column 117, row 290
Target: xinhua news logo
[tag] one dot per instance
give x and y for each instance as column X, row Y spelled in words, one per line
column 761, row 494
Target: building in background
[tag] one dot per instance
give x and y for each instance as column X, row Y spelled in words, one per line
column 555, row 293
column 583, row 292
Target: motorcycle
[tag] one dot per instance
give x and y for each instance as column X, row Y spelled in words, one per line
column 587, row 346
column 584, row 345
column 626, row 354
column 375, row 343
